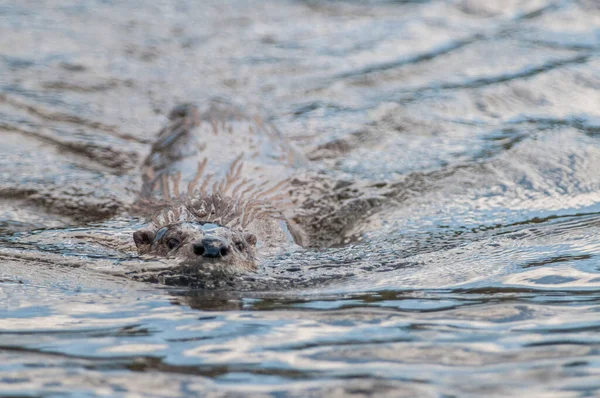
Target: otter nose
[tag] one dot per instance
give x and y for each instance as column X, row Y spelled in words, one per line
column 211, row 247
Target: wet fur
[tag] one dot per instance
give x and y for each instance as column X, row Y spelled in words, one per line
column 235, row 200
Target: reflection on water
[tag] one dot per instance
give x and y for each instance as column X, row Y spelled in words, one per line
column 408, row 340
column 478, row 277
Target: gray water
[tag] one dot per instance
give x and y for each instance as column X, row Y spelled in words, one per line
column 480, row 278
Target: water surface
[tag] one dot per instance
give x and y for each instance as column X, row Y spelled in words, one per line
column 479, row 278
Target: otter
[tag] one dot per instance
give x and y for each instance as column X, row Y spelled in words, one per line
column 222, row 195
column 200, row 244
column 216, row 185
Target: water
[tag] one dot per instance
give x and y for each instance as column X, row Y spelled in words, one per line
column 478, row 278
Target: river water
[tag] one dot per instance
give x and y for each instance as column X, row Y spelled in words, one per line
column 480, row 278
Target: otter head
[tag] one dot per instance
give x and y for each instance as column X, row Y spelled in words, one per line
column 198, row 244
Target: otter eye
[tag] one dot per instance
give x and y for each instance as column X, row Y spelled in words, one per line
column 250, row 238
column 172, row 243
column 240, row 246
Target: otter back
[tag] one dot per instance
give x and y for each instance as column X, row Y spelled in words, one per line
column 203, row 148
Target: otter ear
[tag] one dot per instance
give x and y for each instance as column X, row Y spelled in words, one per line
column 250, row 238
column 143, row 237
